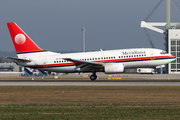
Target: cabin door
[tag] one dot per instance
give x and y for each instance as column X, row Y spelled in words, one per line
column 152, row 55
column 45, row 63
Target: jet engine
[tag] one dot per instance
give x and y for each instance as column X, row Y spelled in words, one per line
column 112, row 68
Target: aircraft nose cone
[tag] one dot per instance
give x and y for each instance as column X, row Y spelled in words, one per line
column 172, row 56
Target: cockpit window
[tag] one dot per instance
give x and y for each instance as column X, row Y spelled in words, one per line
column 163, row 52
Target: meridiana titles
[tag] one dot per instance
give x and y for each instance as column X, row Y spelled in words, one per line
column 133, row 52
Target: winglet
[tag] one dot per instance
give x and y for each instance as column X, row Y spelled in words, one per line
column 21, row 41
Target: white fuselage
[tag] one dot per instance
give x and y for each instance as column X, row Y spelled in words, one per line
column 130, row 58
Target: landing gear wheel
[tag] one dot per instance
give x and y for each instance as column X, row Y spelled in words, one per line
column 93, row 77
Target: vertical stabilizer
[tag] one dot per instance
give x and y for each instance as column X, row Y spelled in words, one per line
column 21, row 41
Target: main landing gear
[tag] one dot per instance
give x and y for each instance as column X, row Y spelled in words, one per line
column 93, row 77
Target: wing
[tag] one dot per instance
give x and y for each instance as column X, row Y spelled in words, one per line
column 85, row 65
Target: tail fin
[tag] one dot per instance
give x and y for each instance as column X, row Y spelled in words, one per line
column 21, row 41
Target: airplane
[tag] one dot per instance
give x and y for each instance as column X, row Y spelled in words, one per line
column 108, row 61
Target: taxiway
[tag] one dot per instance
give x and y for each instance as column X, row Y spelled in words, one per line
column 90, row 83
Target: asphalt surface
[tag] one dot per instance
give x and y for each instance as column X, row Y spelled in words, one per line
column 89, row 83
column 83, row 80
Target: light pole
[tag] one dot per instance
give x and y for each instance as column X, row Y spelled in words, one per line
column 83, row 30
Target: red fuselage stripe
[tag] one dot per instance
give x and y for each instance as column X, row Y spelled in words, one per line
column 107, row 61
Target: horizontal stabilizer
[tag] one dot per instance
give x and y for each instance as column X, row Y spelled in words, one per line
column 18, row 59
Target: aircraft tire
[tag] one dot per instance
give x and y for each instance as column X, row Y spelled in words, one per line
column 93, row 77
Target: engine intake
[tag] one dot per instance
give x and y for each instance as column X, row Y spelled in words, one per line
column 112, row 68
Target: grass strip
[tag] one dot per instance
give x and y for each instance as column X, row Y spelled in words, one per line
column 91, row 111
column 79, row 102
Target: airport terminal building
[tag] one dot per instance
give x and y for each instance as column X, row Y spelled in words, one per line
column 10, row 67
column 174, row 48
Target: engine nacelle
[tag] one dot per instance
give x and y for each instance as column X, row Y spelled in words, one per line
column 112, row 68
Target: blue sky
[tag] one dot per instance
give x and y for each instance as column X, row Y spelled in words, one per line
column 110, row 24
